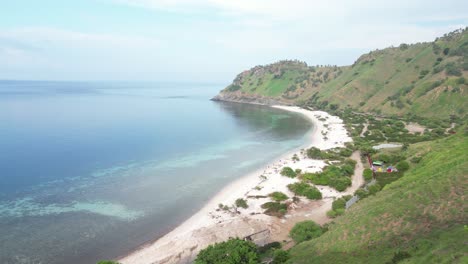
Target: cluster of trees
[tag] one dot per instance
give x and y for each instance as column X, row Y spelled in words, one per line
column 288, row 172
column 277, row 209
column 231, row 251
column 238, row 251
column 336, row 176
column 331, row 154
column 305, row 189
column 278, row 196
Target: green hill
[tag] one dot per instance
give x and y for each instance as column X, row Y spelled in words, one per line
column 420, row 217
column 423, row 79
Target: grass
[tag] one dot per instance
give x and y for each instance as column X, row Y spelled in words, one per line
column 421, row 214
column 372, row 79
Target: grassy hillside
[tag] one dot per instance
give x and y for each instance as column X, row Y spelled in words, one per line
column 427, row 79
column 424, row 79
column 288, row 80
column 420, row 218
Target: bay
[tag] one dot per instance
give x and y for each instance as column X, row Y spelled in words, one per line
column 92, row 170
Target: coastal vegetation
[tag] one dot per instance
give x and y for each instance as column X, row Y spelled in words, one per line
column 275, row 208
column 306, row 230
column 417, row 215
column 231, row 251
column 242, row 203
column 305, row 189
column 405, row 108
column 412, row 80
column 288, row 172
column 338, row 207
column 278, row 196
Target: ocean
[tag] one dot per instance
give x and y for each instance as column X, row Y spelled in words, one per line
column 92, row 170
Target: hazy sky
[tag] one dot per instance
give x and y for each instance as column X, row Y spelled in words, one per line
column 204, row 40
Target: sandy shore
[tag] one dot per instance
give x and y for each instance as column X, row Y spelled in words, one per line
column 212, row 224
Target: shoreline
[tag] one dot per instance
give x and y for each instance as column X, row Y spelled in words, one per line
column 212, row 224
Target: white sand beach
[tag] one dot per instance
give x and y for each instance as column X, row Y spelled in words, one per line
column 212, row 224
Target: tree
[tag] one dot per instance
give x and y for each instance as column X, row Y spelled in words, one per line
column 446, row 51
column 305, row 230
column 233, row 251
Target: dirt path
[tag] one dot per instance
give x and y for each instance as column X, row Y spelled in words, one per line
column 314, row 210
column 357, row 179
column 364, row 130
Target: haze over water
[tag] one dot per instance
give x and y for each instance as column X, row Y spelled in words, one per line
column 90, row 171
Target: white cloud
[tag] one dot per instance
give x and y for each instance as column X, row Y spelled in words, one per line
column 70, row 52
column 221, row 36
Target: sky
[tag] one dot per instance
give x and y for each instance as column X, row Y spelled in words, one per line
column 204, row 40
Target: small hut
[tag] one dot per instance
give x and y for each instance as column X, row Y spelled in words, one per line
column 378, row 163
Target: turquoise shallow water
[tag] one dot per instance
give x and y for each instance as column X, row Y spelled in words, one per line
column 93, row 170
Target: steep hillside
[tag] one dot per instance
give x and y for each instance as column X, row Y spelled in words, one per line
column 427, row 79
column 285, row 82
column 420, row 218
column 424, row 79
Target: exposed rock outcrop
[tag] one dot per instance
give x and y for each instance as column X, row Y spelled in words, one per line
column 240, row 97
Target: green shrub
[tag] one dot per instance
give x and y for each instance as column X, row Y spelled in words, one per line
column 242, row 203
column 313, row 193
column 332, row 176
column 348, row 169
column 234, row 250
column 331, row 214
column 361, row 193
column 275, row 209
column 304, row 189
column 280, row 256
column 402, row 166
column 367, row 173
column 373, row 189
column 305, row 230
column 288, row 172
column 451, row 69
column 233, row 88
column 273, row 245
column 317, row 178
column 350, row 162
column 399, row 256
column 446, row 51
column 340, row 211
column 278, row 196
column 339, row 204
column 314, row 153
column 345, row 152
column 340, row 183
column 384, row 157
column 108, row 262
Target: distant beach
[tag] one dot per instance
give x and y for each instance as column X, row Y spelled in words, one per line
column 213, row 224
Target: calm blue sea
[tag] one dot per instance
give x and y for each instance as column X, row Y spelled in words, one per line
column 92, row 170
